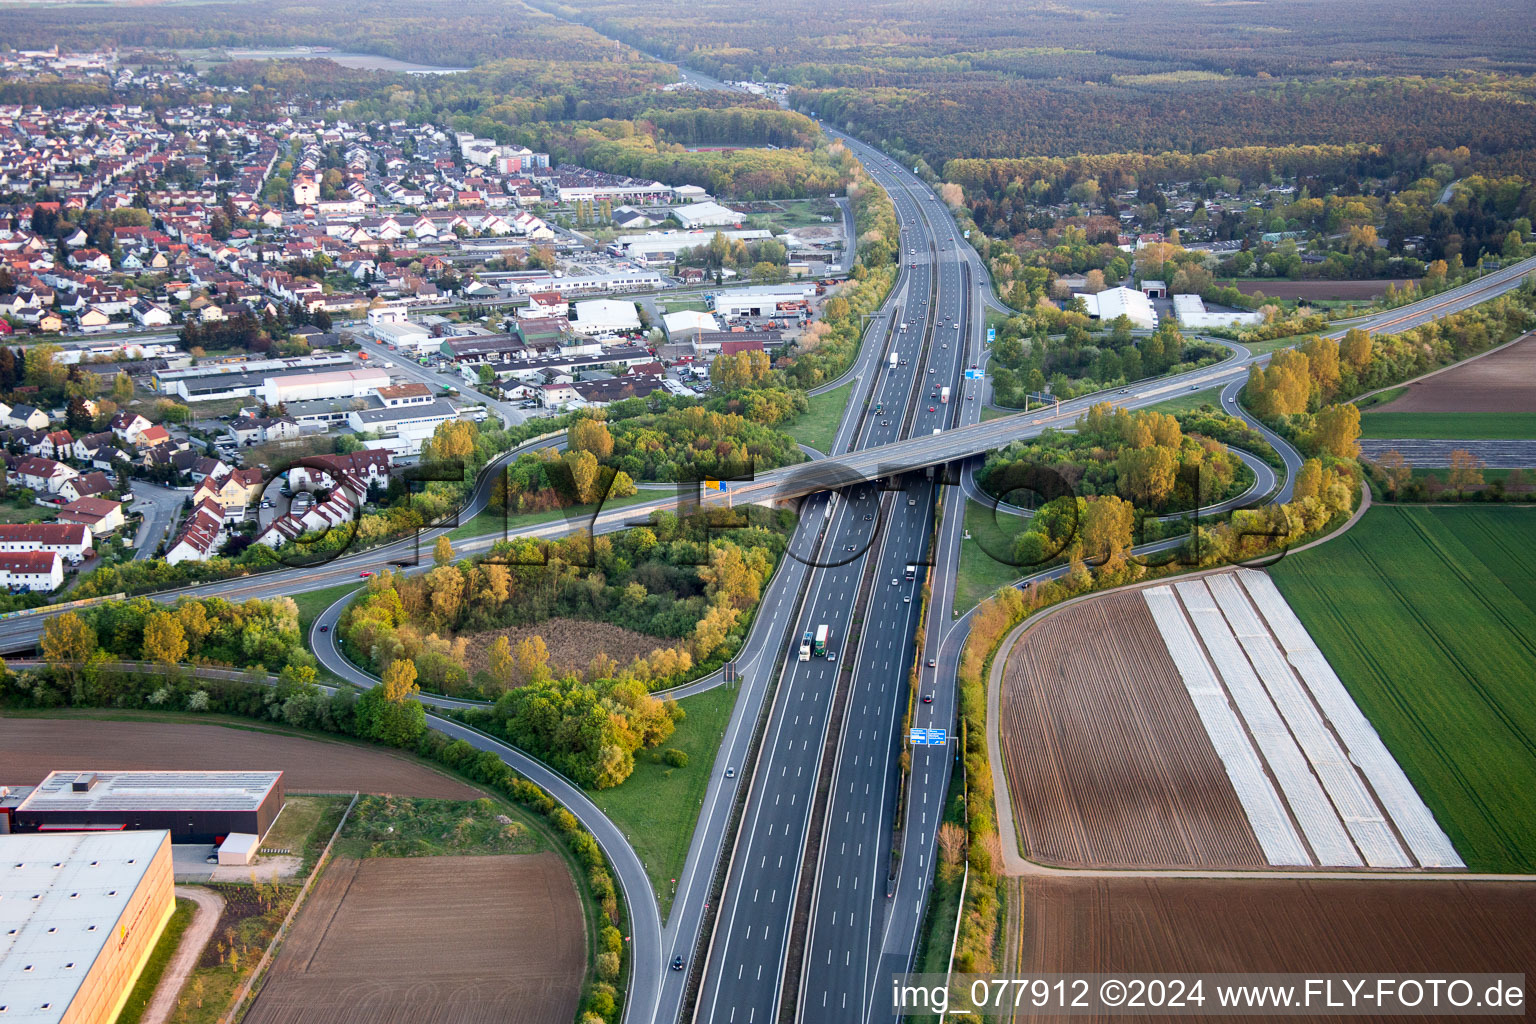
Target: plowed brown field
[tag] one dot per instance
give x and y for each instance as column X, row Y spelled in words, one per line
column 1146, row 925
column 434, row 940
column 1107, row 762
column 33, row 747
column 1502, row 382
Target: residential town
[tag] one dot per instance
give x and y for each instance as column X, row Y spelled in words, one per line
column 270, row 283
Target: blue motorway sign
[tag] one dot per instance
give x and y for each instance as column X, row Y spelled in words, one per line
column 929, row 737
column 973, row 375
column 991, row 335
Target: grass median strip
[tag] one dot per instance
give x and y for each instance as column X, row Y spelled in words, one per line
column 817, row 426
column 658, row 806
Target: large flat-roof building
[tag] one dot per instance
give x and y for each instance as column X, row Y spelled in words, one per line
column 194, row 807
column 1113, row 303
column 307, row 387
column 1191, row 311
column 80, row 914
column 759, row 300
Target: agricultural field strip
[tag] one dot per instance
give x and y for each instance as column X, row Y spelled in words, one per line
column 1266, row 814
column 1363, row 817
column 1365, row 820
column 1309, row 804
column 1428, row 841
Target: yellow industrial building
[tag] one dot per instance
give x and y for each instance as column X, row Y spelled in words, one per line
column 80, row 913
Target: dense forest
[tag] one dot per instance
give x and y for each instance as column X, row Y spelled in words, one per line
column 981, row 118
column 807, row 43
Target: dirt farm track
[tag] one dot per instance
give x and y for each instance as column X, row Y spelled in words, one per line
column 1107, row 762
column 1158, row 925
column 32, row 747
column 433, row 940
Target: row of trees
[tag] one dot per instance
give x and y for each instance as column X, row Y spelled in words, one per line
column 205, row 631
column 1296, row 392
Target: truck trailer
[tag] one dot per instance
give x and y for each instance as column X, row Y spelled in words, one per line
column 893, row 359
column 944, row 395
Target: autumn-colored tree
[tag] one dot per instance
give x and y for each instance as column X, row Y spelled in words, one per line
column 1398, row 469
column 445, row 587
column 400, row 681
column 1466, row 471
column 67, row 639
column 502, row 665
column 1338, row 430
column 1323, row 364
column 585, row 476
column 1107, row 530
column 164, row 639
column 442, row 551
column 1147, row 475
column 1309, row 480
column 951, row 839
column 1355, row 349
column 532, row 660
column 590, row 435
column 498, row 582
column 194, row 624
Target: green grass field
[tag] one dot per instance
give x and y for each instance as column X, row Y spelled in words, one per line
column 658, row 805
column 1429, row 617
column 980, row 572
column 1260, row 347
column 992, row 412
column 817, row 426
column 312, row 602
column 1190, row 400
column 1449, row 426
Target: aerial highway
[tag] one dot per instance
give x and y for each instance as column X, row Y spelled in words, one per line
column 867, row 512
column 751, row 932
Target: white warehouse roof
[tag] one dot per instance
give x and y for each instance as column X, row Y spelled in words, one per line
column 1191, row 311
column 61, row 897
column 707, row 214
column 689, row 320
column 594, row 316
column 1113, row 303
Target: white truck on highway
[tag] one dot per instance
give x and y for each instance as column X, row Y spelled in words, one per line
column 805, row 646
column 944, row 395
column 893, row 360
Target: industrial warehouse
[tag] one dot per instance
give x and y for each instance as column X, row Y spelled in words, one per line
column 80, row 915
column 194, row 807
